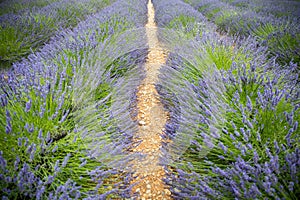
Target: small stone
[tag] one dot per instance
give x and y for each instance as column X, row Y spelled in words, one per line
column 142, row 123
column 167, row 191
column 148, row 186
column 138, row 190
column 148, row 191
column 151, row 157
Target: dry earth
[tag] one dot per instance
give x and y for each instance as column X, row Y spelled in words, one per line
column 152, row 118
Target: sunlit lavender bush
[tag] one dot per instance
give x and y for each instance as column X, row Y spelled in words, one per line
column 60, row 138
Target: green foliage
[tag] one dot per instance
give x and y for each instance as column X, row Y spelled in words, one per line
column 184, row 24
column 10, row 43
column 263, row 31
column 212, row 13
column 221, row 56
column 279, row 41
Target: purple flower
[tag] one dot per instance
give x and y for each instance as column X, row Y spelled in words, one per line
column 54, row 149
column 48, row 137
column 66, row 159
column 50, row 180
column 3, row 100
column 83, row 163
column 3, row 162
column 224, row 148
column 40, row 192
column 249, row 103
column 291, row 186
column 254, row 191
column 255, row 157
column 8, row 127
column 232, row 137
column 28, row 106
column 56, row 167
column 40, row 135
column 16, row 163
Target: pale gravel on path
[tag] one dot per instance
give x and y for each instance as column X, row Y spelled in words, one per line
column 152, row 118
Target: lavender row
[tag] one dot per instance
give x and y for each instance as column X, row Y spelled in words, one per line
column 22, row 33
column 233, row 122
column 16, row 6
column 276, row 8
column 64, row 126
column 280, row 35
column 182, row 17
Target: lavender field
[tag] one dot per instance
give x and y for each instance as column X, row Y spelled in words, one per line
column 75, row 104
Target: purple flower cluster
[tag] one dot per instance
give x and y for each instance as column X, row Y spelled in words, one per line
column 65, row 121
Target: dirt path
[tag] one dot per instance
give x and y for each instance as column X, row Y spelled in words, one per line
column 152, row 119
